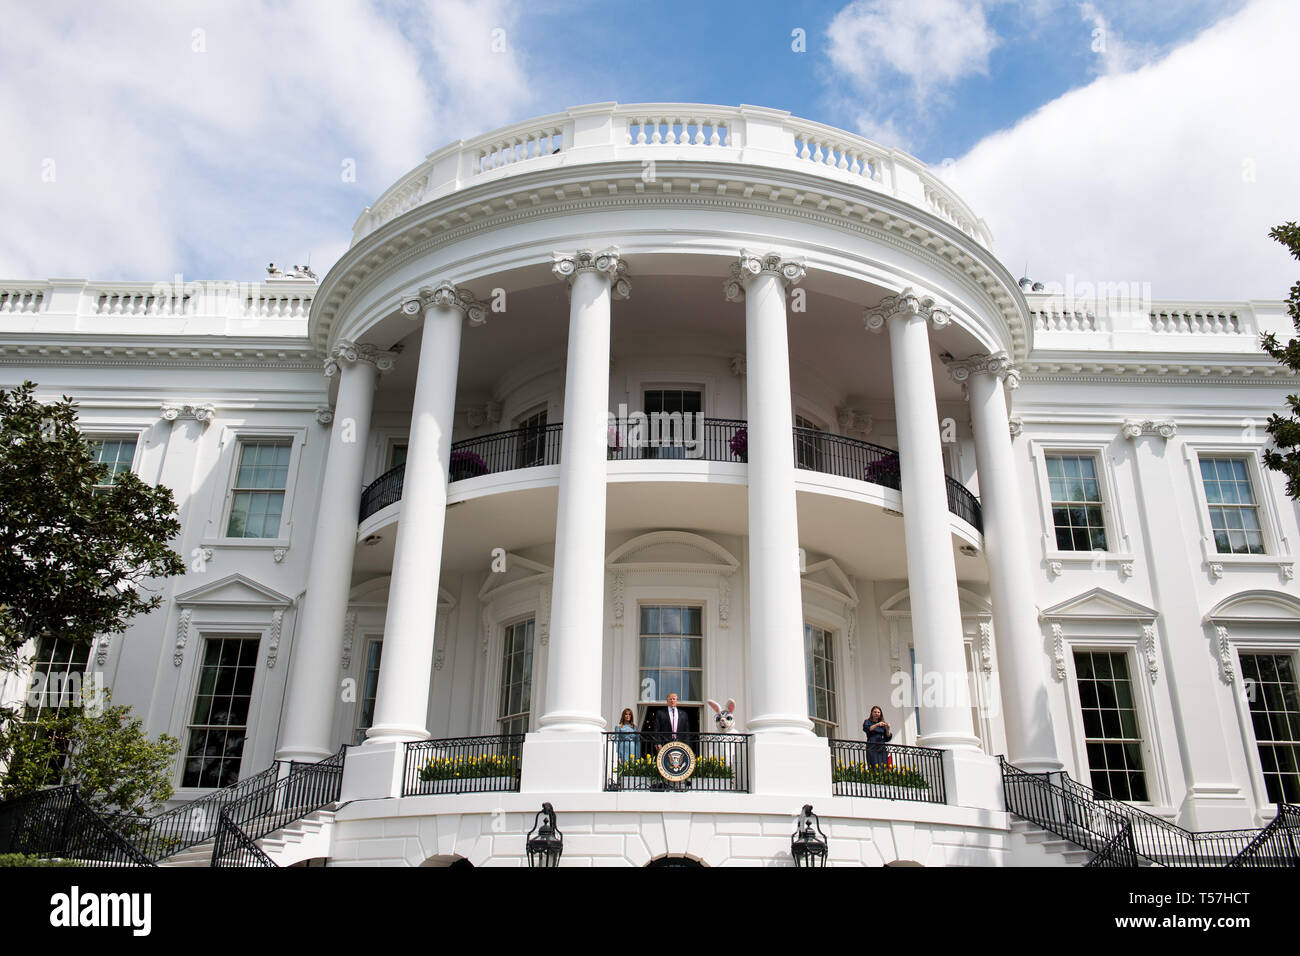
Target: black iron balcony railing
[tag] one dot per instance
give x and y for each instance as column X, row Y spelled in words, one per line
column 680, row 437
column 463, row 765
column 721, row 763
column 1116, row 831
column 887, row 771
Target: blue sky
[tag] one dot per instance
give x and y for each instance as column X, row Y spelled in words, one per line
column 1107, row 140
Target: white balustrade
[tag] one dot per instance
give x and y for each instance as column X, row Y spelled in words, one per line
column 1196, row 323
column 20, row 301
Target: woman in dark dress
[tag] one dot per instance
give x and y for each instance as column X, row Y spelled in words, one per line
column 877, row 730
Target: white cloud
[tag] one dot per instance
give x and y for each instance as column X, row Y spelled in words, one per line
column 1171, row 174
column 928, row 44
column 215, row 135
column 1114, row 54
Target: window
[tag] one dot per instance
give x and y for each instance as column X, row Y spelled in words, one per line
column 532, row 440
column 219, row 725
column 672, row 653
column 516, row 679
column 1234, row 516
column 57, row 675
column 807, row 446
column 671, row 431
column 1076, row 503
column 1275, row 713
column 258, row 496
column 396, row 456
column 370, row 684
column 1110, row 726
column 117, row 453
column 819, row 659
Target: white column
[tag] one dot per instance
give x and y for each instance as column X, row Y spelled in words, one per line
column 306, row 730
column 1023, row 663
column 778, row 697
column 402, row 696
column 786, row 757
column 942, row 688
column 573, row 690
column 567, row 752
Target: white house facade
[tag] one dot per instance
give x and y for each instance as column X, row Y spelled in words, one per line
column 718, row 402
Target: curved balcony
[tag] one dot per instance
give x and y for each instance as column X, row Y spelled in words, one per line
column 605, row 132
column 720, row 440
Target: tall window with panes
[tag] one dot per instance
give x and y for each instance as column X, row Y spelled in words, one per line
column 819, row 663
column 1234, row 515
column 1111, row 733
column 117, row 454
column 1274, row 699
column 1077, row 514
column 672, row 406
column 257, row 499
column 516, row 679
column 218, row 726
column 672, row 653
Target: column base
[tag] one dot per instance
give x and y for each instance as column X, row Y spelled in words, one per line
column 374, row 770
column 302, row 754
column 563, row 762
column 972, row 779
column 1037, row 764
column 795, row 765
column 1211, row 807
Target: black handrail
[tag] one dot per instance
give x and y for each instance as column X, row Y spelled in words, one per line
column 190, row 824
column 491, row 763
column 1119, row 852
column 60, row 823
column 304, row 789
column 721, row 762
column 682, row 437
column 1278, row 844
column 887, row 771
column 1092, row 820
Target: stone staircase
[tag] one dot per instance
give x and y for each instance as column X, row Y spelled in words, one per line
column 304, row 839
column 1033, row 846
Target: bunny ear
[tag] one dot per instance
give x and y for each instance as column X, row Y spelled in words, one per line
column 714, row 705
column 731, row 706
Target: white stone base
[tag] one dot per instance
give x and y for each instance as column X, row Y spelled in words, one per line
column 790, row 765
column 972, row 779
column 373, row 770
column 1216, row 808
column 563, row 762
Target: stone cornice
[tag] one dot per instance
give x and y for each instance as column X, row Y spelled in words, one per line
column 680, row 183
column 349, row 353
column 446, row 295
column 566, row 266
column 998, row 364
column 167, row 352
column 751, row 265
column 909, row 302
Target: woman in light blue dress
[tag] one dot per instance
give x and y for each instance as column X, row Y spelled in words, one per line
column 627, row 739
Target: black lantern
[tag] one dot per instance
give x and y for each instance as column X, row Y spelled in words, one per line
column 545, row 841
column 808, row 844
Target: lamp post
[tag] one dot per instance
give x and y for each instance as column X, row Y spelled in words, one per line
column 808, row 844
column 545, row 841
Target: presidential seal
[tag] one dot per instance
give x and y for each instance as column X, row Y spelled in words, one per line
column 676, row 761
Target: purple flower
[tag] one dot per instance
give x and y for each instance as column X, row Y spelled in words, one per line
column 466, row 464
column 739, row 443
column 883, row 471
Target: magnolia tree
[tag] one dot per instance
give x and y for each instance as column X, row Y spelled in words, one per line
column 78, row 556
column 1285, row 429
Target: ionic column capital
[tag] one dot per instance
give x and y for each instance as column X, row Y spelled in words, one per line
column 445, row 295
column 608, row 262
column 1134, row 428
column 351, row 353
column 908, row 303
column 751, row 265
column 997, row 364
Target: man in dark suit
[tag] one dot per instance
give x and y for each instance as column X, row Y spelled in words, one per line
column 671, row 723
